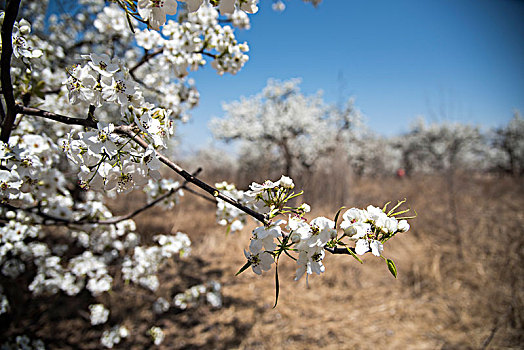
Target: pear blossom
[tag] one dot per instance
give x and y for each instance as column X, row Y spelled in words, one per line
column 102, row 64
column 98, row 314
column 364, row 245
column 155, row 11
column 193, row 5
column 264, row 237
column 156, row 334
column 148, row 38
column 323, row 230
column 310, row 262
column 260, row 261
column 114, row 336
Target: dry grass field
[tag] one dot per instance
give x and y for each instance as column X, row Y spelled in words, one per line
column 460, row 283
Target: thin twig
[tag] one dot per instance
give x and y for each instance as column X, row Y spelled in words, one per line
column 210, row 199
column 147, row 56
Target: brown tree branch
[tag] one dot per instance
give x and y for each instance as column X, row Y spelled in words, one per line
column 11, row 12
column 89, row 122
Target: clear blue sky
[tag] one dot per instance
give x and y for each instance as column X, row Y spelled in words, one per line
column 457, row 60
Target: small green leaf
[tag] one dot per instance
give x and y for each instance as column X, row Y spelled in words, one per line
column 336, row 216
column 392, row 268
column 277, row 287
column 354, row 255
column 243, row 268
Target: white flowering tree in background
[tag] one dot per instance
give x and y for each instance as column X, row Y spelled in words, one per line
column 284, row 128
column 91, row 97
column 441, row 147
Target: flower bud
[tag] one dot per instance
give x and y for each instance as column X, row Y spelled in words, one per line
column 305, row 208
column 403, row 226
column 295, row 237
column 286, row 182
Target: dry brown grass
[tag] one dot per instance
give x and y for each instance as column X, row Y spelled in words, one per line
column 458, row 287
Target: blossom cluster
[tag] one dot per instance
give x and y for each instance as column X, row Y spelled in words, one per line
column 156, row 334
column 368, row 228
column 108, row 161
column 98, row 314
column 22, row 45
column 23, row 342
column 226, row 214
column 142, row 267
column 114, row 336
column 155, row 12
column 182, row 46
column 209, row 293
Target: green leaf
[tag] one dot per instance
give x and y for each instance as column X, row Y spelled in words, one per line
column 392, row 268
column 243, row 268
column 336, row 216
column 354, row 255
column 277, row 287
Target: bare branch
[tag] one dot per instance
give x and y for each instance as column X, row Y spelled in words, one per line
column 207, row 198
column 150, row 205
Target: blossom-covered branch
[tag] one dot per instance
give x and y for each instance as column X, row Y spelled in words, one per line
column 57, row 221
column 128, row 131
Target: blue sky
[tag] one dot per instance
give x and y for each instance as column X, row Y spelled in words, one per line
column 456, row 60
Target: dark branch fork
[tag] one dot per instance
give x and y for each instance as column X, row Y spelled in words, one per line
column 11, row 12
